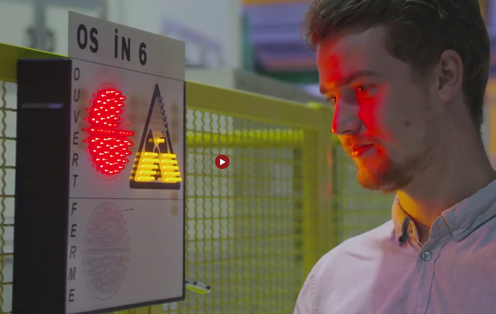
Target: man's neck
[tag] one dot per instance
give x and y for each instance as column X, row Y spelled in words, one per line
column 454, row 173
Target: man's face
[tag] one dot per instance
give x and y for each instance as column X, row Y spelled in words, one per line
column 383, row 118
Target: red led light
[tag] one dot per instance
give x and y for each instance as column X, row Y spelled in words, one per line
column 107, row 144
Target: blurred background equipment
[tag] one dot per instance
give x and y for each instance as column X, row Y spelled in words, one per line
column 201, row 51
column 41, row 24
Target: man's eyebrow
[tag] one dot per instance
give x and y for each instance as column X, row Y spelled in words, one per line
column 348, row 79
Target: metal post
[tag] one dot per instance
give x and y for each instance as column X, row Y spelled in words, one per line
column 39, row 30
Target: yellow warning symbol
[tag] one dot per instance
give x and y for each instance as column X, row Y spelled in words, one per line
column 156, row 165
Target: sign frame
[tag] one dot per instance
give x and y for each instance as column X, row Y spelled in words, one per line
column 44, row 154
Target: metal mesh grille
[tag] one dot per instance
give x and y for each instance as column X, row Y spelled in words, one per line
column 7, row 163
column 244, row 228
column 243, row 223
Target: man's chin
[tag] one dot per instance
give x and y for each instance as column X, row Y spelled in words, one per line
column 369, row 183
column 386, row 180
column 374, row 186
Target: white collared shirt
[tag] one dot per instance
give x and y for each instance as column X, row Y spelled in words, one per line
column 387, row 270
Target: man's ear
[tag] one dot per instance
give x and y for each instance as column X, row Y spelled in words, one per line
column 449, row 75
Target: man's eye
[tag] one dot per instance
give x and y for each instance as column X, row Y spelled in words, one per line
column 332, row 99
column 366, row 90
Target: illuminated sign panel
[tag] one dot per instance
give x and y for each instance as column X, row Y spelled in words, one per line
column 109, row 169
column 108, row 145
column 156, row 164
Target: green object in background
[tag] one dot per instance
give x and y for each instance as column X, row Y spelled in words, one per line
column 197, row 287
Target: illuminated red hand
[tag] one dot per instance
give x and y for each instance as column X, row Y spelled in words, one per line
column 107, row 144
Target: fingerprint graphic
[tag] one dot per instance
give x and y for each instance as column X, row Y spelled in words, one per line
column 106, row 252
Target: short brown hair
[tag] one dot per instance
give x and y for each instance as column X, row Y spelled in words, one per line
column 418, row 32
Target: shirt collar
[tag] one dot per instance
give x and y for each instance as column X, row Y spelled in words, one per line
column 462, row 219
column 403, row 224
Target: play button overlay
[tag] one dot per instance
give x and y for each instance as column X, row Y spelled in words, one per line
column 222, row 162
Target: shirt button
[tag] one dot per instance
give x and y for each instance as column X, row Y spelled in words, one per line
column 426, row 256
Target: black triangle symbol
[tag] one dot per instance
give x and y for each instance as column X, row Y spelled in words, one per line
column 155, row 164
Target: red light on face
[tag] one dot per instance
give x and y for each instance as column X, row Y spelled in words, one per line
column 107, row 144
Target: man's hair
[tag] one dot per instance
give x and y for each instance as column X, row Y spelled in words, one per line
column 418, row 32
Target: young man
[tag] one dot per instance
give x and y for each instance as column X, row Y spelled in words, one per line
column 407, row 81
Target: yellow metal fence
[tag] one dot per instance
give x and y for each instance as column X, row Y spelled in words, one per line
column 254, row 230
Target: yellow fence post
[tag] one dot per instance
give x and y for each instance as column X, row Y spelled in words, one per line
column 318, row 222
column 327, row 223
column 156, row 309
column 310, row 201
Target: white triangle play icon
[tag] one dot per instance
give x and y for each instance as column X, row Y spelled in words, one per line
column 222, row 162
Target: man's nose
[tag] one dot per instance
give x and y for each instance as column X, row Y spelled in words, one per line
column 346, row 120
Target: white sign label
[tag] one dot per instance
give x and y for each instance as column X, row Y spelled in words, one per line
column 126, row 207
column 100, row 41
